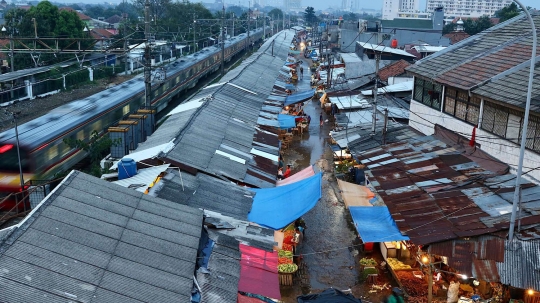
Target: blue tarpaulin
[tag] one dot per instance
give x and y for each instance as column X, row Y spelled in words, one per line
column 375, row 224
column 299, row 97
column 286, row 121
column 277, row 207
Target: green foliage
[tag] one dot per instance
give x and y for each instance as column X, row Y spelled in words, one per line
column 350, row 17
column 309, row 15
column 508, row 12
column 448, row 28
column 344, row 166
column 276, row 14
column 473, row 27
column 96, row 148
column 368, row 262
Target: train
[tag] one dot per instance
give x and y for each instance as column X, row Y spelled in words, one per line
column 42, row 149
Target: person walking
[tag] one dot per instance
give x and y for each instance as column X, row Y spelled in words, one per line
column 321, row 119
column 301, row 72
column 395, row 297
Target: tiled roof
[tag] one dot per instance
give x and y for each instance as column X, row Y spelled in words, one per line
column 113, row 19
column 456, row 37
column 100, row 33
column 82, row 16
column 408, row 23
column 99, row 242
column 475, row 60
column 395, row 69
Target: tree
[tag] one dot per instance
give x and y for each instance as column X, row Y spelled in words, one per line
column 276, row 14
column 96, row 149
column 508, row 12
column 473, row 27
column 448, row 28
column 351, row 17
column 309, row 15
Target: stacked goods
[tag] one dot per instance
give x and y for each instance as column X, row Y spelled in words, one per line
column 287, row 268
column 397, row 265
column 285, row 257
column 285, row 253
column 413, row 286
column 368, row 262
column 287, row 247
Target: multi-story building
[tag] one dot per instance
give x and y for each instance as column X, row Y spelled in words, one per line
column 479, row 86
column 290, row 5
column 392, row 8
column 468, row 8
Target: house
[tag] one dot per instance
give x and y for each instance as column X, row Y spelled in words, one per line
column 482, row 82
column 394, row 72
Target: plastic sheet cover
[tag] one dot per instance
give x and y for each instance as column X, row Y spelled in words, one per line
column 299, row 97
column 375, row 224
column 277, row 207
column 286, row 121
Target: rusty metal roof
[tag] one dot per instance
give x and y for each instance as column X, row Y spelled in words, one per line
column 435, row 192
column 521, row 266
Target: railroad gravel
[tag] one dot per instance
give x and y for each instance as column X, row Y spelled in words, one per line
column 31, row 109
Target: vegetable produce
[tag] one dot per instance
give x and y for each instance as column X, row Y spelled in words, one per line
column 396, row 264
column 413, row 286
column 287, row 268
column 288, row 247
column 285, row 260
column 285, row 253
column 368, row 262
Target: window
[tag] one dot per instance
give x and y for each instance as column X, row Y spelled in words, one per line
column 458, row 104
column 428, row 93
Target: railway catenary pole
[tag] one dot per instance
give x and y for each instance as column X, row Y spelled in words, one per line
column 223, row 41
column 249, row 19
column 124, row 18
column 14, row 115
column 147, row 63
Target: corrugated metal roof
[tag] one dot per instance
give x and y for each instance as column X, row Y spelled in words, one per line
column 384, row 49
column 206, row 192
column 143, row 179
column 521, row 267
column 96, row 241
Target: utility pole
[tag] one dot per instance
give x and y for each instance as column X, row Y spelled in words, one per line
column 233, row 25
column 376, row 88
column 14, row 115
column 264, row 27
column 147, row 63
column 385, row 129
column 248, row 21
column 194, row 34
column 124, row 18
column 223, row 42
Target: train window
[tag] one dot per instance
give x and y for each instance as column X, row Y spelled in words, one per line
column 53, row 152
column 125, row 110
column 80, row 135
column 97, row 126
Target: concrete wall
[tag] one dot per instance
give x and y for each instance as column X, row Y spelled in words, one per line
column 348, row 40
column 504, row 150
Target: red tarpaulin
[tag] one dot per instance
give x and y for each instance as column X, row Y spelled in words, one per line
column 258, row 272
column 244, row 299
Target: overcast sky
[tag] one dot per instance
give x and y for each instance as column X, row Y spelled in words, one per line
column 377, row 4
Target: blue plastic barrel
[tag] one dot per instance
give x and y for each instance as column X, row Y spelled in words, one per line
column 127, row 168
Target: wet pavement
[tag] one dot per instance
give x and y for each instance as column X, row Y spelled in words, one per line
column 331, row 248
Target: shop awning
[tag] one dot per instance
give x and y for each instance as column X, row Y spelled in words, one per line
column 301, row 175
column 286, row 121
column 284, row 85
column 299, row 97
column 277, row 207
column 355, row 195
column 375, row 224
column 258, row 272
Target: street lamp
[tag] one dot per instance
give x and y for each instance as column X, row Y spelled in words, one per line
column 517, row 192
